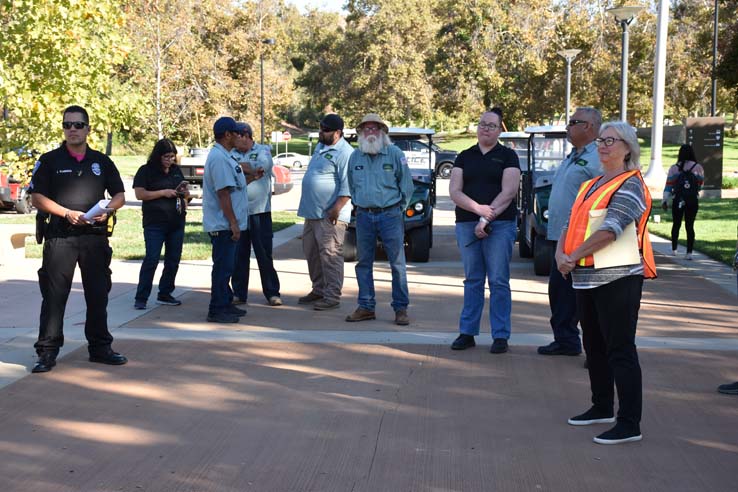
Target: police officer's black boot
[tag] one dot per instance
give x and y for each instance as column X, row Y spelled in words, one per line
column 45, row 362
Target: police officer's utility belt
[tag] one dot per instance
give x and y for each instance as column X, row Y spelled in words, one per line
column 60, row 227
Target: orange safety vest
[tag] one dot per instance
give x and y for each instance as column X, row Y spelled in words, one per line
column 579, row 228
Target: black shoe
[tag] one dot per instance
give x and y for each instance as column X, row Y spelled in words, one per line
column 593, row 416
column 236, row 311
column 110, row 358
column 45, row 363
column 463, row 342
column 555, row 348
column 729, row 389
column 139, row 305
column 167, row 300
column 499, row 346
column 222, row 318
column 618, row 435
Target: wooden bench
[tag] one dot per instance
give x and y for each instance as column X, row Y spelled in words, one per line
column 13, row 241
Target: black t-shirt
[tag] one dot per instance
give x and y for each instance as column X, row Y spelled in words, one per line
column 483, row 178
column 160, row 210
column 75, row 185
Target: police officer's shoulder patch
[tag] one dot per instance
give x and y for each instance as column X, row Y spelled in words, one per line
column 403, row 160
column 96, row 169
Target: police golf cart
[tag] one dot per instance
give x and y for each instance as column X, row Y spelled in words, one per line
column 547, row 147
column 419, row 213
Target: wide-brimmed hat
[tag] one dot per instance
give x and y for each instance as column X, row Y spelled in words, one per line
column 373, row 118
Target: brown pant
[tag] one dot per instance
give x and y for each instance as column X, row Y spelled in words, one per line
column 322, row 243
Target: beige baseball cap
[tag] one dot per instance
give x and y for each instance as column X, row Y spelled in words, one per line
column 373, row 118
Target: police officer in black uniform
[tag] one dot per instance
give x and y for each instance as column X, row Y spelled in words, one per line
column 66, row 183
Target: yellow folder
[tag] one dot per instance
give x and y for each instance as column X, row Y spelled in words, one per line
column 622, row 251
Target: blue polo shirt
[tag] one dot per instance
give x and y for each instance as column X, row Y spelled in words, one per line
column 325, row 180
column 260, row 190
column 380, row 180
column 222, row 171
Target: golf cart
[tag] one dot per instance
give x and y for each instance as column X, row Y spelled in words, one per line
column 547, row 147
column 419, row 213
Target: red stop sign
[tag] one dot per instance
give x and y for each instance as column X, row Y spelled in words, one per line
column 286, row 136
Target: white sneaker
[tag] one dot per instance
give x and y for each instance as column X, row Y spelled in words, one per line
column 673, row 252
column 688, row 256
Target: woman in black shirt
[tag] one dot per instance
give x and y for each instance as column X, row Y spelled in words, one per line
column 160, row 185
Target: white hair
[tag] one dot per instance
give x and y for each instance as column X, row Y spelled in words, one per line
column 628, row 134
column 373, row 144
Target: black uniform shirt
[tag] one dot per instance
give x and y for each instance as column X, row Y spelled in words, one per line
column 483, row 178
column 74, row 185
column 160, row 210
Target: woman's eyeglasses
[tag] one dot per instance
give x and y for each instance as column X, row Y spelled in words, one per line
column 488, row 126
column 76, row 124
column 608, row 141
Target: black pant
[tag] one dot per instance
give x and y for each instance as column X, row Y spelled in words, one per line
column 689, row 212
column 61, row 256
column 563, row 303
column 609, row 315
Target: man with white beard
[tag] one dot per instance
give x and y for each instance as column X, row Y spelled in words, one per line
column 381, row 187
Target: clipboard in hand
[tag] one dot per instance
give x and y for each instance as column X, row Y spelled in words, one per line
column 622, row 251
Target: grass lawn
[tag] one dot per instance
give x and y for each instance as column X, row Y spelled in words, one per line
column 128, row 242
column 715, row 228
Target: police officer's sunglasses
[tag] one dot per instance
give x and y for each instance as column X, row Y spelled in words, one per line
column 76, row 124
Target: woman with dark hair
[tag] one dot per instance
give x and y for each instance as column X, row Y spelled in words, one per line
column 160, row 185
column 683, row 184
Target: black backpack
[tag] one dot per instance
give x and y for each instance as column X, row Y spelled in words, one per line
column 686, row 184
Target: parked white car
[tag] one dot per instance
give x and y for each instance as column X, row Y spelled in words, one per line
column 292, row 160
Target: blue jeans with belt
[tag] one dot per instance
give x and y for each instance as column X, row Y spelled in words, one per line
column 388, row 225
column 171, row 236
column 486, row 259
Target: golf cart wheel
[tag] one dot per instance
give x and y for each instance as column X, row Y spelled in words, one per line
column 349, row 245
column 541, row 256
column 418, row 244
column 444, row 170
column 524, row 250
column 24, row 206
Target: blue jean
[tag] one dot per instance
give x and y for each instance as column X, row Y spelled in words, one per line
column 489, row 259
column 224, row 255
column 259, row 235
column 171, row 236
column 389, row 226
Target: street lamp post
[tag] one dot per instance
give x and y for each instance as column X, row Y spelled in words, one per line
column 624, row 16
column 568, row 55
column 713, row 100
column 267, row 41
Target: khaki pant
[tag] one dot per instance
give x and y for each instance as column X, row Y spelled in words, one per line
column 322, row 243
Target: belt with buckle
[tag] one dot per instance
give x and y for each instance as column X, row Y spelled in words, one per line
column 376, row 210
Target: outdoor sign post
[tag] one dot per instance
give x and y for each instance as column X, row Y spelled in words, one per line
column 706, row 136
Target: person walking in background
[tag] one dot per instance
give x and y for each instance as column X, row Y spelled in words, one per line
column 256, row 161
column 609, row 298
column 484, row 182
column 162, row 189
column 325, row 204
column 683, row 184
column 66, row 183
column 581, row 164
column 225, row 216
column 381, row 187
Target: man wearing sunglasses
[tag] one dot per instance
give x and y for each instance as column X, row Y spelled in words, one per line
column 582, row 164
column 66, row 183
column 325, row 206
column 225, row 216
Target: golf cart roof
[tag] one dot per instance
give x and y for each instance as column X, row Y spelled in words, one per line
column 505, row 135
column 394, row 131
column 547, row 129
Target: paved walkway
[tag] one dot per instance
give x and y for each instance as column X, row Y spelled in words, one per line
column 292, row 399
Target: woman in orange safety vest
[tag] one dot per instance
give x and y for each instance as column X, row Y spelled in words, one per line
column 608, row 298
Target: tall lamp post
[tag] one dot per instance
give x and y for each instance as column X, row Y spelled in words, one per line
column 267, row 41
column 713, row 100
column 624, row 16
column 568, row 55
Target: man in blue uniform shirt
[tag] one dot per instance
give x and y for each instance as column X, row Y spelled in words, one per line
column 67, row 182
column 325, row 206
column 256, row 161
column 225, row 216
column 381, row 188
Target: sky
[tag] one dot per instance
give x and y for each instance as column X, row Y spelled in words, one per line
column 325, row 5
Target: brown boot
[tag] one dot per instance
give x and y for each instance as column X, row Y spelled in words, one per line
column 360, row 314
column 401, row 317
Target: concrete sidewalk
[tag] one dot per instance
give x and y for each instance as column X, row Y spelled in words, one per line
column 292, row 399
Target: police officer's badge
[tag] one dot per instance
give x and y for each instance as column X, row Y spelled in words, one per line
column 580, row 162
column 96, row 169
